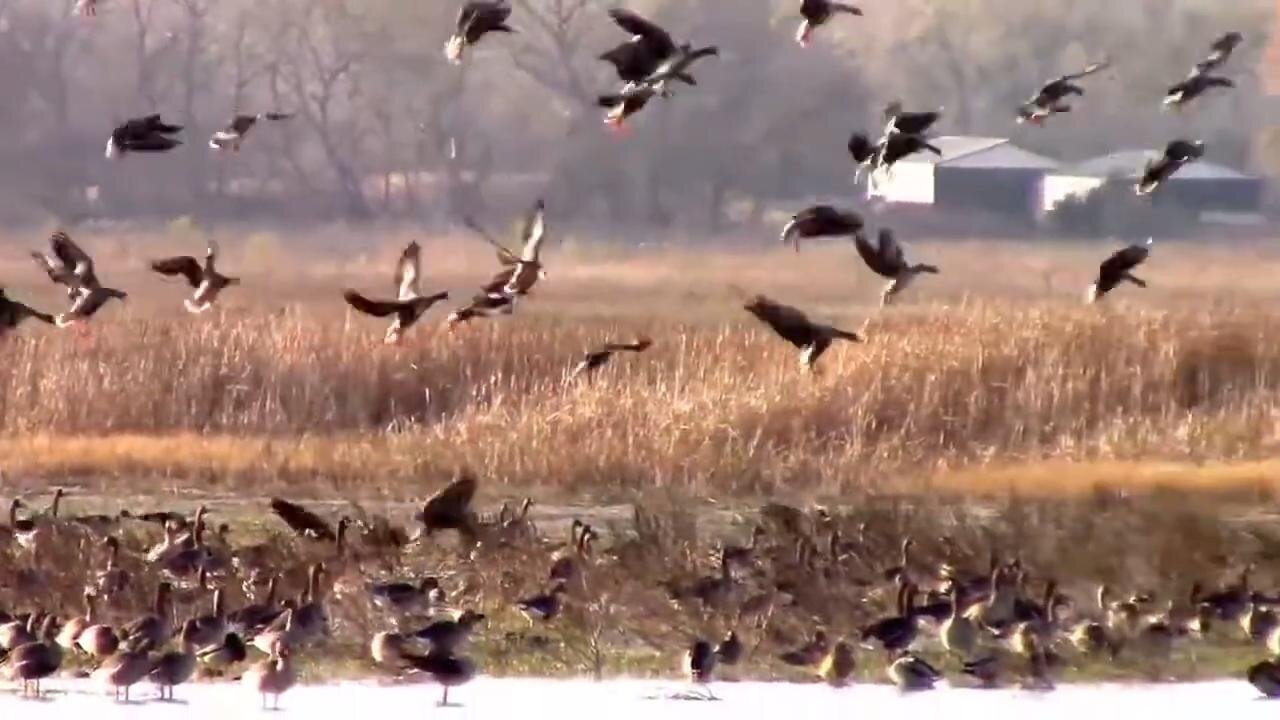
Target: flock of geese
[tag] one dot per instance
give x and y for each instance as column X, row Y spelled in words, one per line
column 986, row 619
column 169, row 597
column 648, row 65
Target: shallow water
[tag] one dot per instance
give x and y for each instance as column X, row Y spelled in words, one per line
column 492, row 698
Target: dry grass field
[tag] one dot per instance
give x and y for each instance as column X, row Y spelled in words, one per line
column 991, row 376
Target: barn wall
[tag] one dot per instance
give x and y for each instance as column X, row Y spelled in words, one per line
column 1006, row 191
column 907, row 183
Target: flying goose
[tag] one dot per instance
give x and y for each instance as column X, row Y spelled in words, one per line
column 66, row 264
column 1157, row 171
column 596, row 359
column 899, row 121
column 484, row 304
column 410, row 304
column 301, row 520
column 625, row 103
column 71, row 266
column 233, row 134
column 639, row 57
column 1048, row 101
column 144, row 134
column 207, row 282
column 476, row 19
column 677, row 67
column 528, row 268
column 887, row 260
column 817, row 13
column 820, row 221
column 812, row 338
column 12, row 313
column 1117, row 269
column 884, row 154
column 1195, row 85
column 1220, row 51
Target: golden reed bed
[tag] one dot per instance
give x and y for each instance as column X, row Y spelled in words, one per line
column 993, row 365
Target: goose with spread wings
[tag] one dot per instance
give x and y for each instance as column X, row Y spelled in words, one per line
column 204, row 278
column 410, row 304
column 639, row 57
column 1050, row 99
column 1157, row 171
column 67, row 264
column 598, row 358
column 1220, row 51
column 817, row 13
column 1118, row 268
column 13, row 313
column 476, row 19
column 634, row 96
column 886, row 258
column 901, row 122
column 520, row 270
column 820, row 221
column 883, row 155
column 813, row 339
column 149, row 134
column 1196, row 84
column 231, row 137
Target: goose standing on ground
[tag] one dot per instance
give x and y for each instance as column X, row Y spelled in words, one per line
column 12, row 313
column 1176, row 154
column 174, row 667
column 1195, row 85
column 445, row 668
column 205, row 279
column 233, row 134
column 838, row 665
column 596, row 359
column 887, row 260
column 1118, row 268
column 792, row 325
column 147, row 134
column 639, row 57
column 273, row 676
column 817, row 13
column 1049, row 100
column 32, row 662
column 1220, row 51
column 820, row 221
column 476, row 19
column 700, row 662
column 410, row 304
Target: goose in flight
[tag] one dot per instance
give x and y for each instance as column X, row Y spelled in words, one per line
column 1220, row 52
column 634, row 96
column 12, row 313
column 233, row 134
column 410, row 303
column 71, row 266
column 476, row 19
column 795, row 327
column 638, row 58
column 886, row 259
column 900, row 122
column 820, row 221
column 520, row 271
column 596, row 359
column 302, row 521
column 677, row 67
column 817, row 13
column 145, row 134
column 66, row 264
column 623, row 104
column 884, row 154
column 1117, row 269
column 204, row 279
column 1049, row 100
column 1176, row 154
column 1197, row 83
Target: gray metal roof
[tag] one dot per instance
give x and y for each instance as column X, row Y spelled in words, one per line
column 970, row 151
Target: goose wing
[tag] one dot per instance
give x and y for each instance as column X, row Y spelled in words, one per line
column 788, row 322
column 535, row 230
column 651, row 34
column 408, row 268
column 73, row 258
column 1089, row 70
column 301, row 520
column 505, row 256
column 185, row 265
column 1122, row 261
column 376, row 308
column 891, row 252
